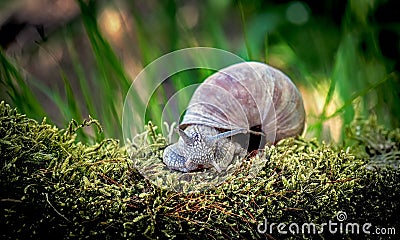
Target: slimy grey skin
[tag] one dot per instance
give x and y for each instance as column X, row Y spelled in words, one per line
column 200, row 146
column 231, row 102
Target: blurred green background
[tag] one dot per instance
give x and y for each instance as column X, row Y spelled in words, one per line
column 67, row 59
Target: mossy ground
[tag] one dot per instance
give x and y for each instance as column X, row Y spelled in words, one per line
column 54, row 186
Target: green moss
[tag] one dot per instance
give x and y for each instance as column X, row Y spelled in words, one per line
column 52, row 185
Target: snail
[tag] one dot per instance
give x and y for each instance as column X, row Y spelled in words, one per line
column 235, row 101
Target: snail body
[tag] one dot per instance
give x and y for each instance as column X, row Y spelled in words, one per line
column 229, row 103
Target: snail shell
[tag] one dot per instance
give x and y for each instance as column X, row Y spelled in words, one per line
column 246, row 95
column 233, row 101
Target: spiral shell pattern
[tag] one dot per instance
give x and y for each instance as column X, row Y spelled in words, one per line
column 247, row 95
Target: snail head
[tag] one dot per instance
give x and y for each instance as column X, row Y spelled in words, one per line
column 199, row 148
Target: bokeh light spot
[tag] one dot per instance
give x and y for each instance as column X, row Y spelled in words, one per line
column 297, row 13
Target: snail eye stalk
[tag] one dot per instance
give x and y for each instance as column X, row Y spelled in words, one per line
column 186, row 138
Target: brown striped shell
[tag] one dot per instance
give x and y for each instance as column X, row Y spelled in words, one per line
column 246, row 95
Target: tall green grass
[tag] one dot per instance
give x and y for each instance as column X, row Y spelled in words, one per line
column 346, row 59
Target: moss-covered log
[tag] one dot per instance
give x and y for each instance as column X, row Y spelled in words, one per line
column 54, row 186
